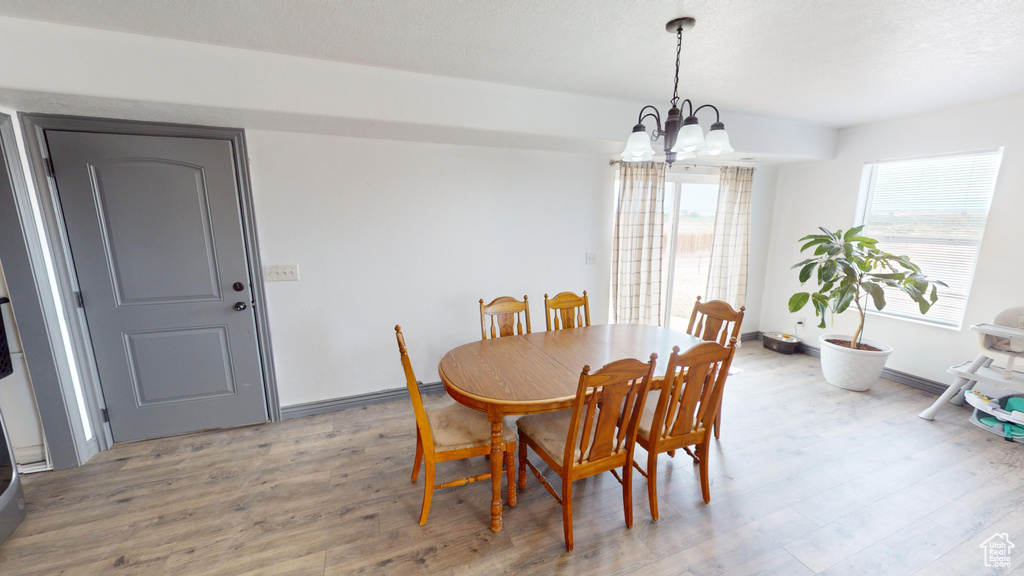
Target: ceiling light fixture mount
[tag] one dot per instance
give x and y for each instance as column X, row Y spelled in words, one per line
column 684, row 138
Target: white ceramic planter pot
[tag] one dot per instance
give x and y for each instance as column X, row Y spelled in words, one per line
column 849, row 368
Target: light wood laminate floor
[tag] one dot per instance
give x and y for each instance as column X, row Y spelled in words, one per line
column 806, row 479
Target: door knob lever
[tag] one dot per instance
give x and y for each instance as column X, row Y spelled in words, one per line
column 240, row 306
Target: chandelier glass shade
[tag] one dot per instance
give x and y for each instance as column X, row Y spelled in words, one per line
column 683, row 137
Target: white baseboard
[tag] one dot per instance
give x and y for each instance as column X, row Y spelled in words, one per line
column 918, row 382
column 30, row 455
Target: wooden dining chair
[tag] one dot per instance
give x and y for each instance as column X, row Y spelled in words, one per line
column 588, row 439
column 715, row 321
column 450, row 433
column 681, row 413
column 566, row 310
column 505, row 315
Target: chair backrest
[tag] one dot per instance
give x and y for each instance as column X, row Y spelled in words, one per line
column 614, row 394
column 505, row 315
column 422, row 424
column 692, row 390
column 566, row 310
column 712, row 320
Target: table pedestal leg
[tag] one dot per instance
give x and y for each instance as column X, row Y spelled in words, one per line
column 496, row 461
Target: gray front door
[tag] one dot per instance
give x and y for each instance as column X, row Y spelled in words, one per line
column 156, row 238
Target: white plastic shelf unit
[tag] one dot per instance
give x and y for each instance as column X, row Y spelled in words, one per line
column 990, row 376
column 995, row 341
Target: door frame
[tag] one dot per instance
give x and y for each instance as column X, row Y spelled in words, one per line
column 38, row 320
column 34, row 126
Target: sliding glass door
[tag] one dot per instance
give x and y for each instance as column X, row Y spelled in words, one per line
column 690, row 202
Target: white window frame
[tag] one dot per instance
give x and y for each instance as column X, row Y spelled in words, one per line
column 905, row 309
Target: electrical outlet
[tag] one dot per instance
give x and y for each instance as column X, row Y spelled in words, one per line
column 591, row 257
column 281, row 272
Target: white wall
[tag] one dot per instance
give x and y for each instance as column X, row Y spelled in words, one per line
column 762, row 204
column 388, row 232
column 824, row 193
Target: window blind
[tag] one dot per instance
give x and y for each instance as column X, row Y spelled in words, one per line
column 932, row 210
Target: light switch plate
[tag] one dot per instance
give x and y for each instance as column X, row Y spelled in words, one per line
column 281, row 272
column 591, row 257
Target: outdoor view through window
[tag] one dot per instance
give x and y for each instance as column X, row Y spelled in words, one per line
column 689, row 227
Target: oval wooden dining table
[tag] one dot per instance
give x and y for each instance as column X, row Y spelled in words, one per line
column 540, row 372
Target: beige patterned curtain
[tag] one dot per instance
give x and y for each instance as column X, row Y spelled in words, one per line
column 636, row 247
column 727, row 278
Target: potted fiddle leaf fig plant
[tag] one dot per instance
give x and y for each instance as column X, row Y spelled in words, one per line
column 850, row 268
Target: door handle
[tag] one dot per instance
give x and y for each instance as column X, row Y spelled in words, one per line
column 239, row 306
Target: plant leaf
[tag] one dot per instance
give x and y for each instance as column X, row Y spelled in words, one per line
column 826, row 272
column 913, row 292
column 830, row 234
column 852, row 232
column 876, row 293
column 809, row 236
column 817, row 240
column 844, row 297
column 908, row 264
column 848, row 268
column 798, row 301
column 820, row 308
column 805, row 272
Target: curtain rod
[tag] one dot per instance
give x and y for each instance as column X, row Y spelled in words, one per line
column 687, row 166
column 709, row 166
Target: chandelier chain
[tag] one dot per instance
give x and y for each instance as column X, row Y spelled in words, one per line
column 679, row 48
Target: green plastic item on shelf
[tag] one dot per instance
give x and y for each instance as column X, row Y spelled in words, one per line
column 1010, row 430
column 1015, row 403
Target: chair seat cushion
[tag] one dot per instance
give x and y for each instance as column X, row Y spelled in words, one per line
column 455, row 427
column 548, row 431
column 647, row 418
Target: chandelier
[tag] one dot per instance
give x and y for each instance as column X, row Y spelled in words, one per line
column 683, row 138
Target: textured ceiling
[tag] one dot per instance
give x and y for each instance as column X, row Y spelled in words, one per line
column 830, row 62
